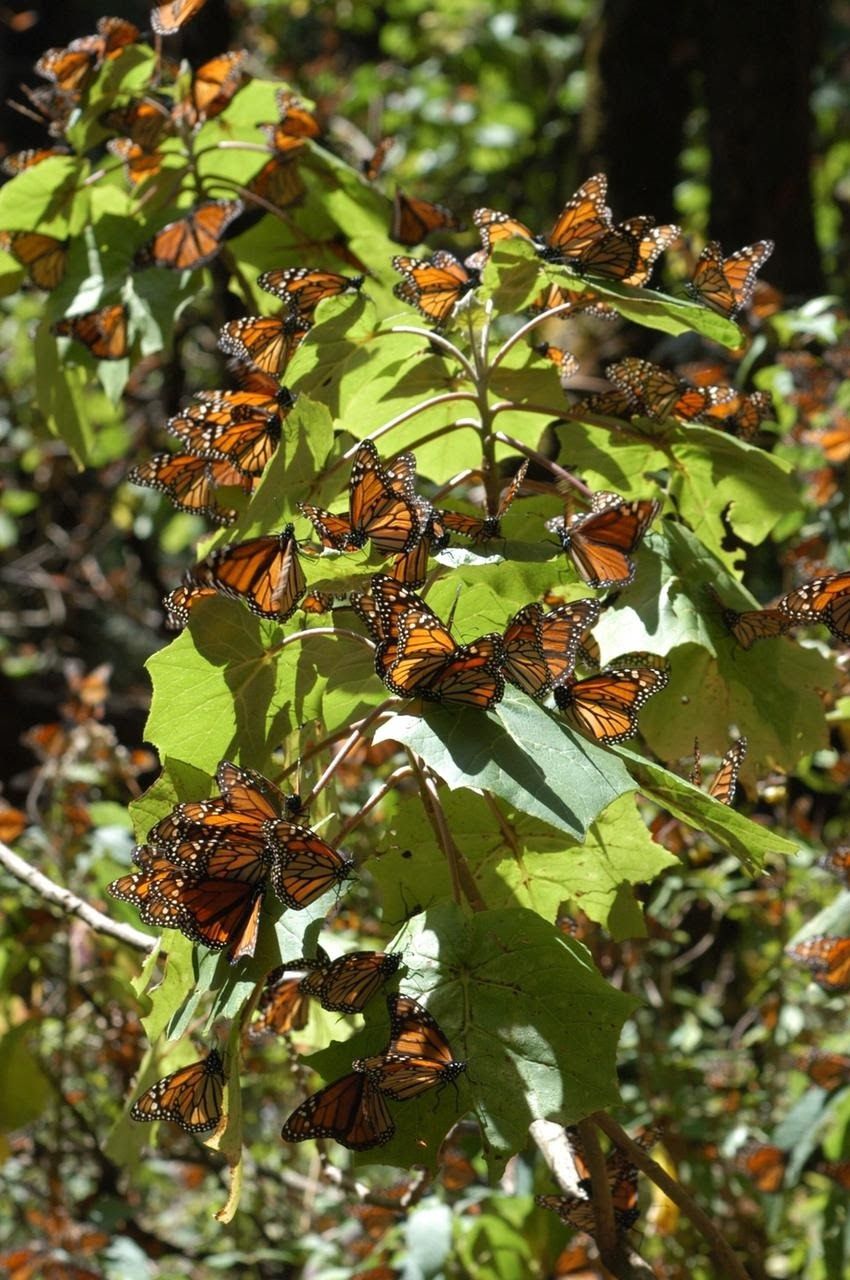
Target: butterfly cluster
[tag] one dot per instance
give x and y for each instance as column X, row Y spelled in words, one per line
column 353, row 1109
column 823, row 601
column 205, row 867
column 578, row 1210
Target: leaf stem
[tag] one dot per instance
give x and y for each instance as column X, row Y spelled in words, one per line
column 398, row 775
column 354, row 737
column 722, row 1250
column 463, row 884
column 437, row 340
column 526, row 328
column 543, row 461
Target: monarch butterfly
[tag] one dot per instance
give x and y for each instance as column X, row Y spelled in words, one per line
column 372, row 166
column 828, row 959
column 600, row 541
column 263, row 573
column 168, row 18
column 651, row 243
column 247, row 800
column 179, row 603
column 748, row 412
column 726, row 284
column 429, row 664
column 605, row 706
column 434, row 287
column 556, row 295
column 245, row 435
column 348, row 983
column 418, row 1056
column 350, row 1110
column 190, row 482
column 279, row 181
column 213, row 86
column 19, row 161
column 564, row 361
column 142, row 889
column 622, row 1178
column 827, row 1070
column 725, row 781
column 837, row 862
column 752, row 624
column 614, row 404
column 540, row 647
column 381, row 508
column 380, row 609
column 296, row 125
column 411, row 567
column 479, row 530
column 49, row 106
column 104, row 331
column 139, row 164
column 825, row 600
column 192, row 241
column 266, row 342
column 303, row 288
column 305, row 867
column 414, row 219
column 663, row 395
column 44, row 257
column 282, row 1007
column 143, row 121
column 764, row 1163
column 190, row 1097
column 72, row 68
column 837, row 1170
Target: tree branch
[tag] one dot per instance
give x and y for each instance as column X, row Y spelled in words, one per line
column 723, row 1253
column 70, row 904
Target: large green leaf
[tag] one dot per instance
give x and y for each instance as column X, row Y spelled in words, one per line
column 517, row 860
column 554, row 1059
column 520, row 753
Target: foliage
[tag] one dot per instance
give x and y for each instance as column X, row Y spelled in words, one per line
column 588, row 927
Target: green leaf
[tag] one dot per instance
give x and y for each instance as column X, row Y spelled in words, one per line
column 558, row 1062
column 652, row 309
column 61, row 392
column 48, row 197
column 517, row 860
column 520, row 753
column 220, row 688
column 25, row 1091
column 749, row 841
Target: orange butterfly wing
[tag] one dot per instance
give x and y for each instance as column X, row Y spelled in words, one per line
column 350, row 1110
column 190, row 1097
column 192, row 241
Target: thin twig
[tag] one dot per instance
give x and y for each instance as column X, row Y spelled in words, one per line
column 463, row 882
column 71, row 904
column 723, row 1253
column 524, row 329
column 437, row 340
column 402, row 772
column 354, row 738
column 605, row 1232
column 542, row 460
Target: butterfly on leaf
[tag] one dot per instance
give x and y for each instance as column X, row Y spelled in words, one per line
column 827, row 958
column 483, row 530
column 540, row 646
column 725, row 781
column 351, row 1110
column 582, row 221
column 44, row 257
column 578, row 1210
column 268, row 343
column 144, row 121
column 263, row 573
column 191, row 241
column 418, row 657
column 19, row 161
column 434, row 286
column 750, row 625
column 190, row 1097
column 282, row 1006
column 73, row 68
column 418, row 1056
column 296, row 124
column 304, row 866
column 726, row 285
column 241, row 427
column 103, row 331
column 415, row 219
column 605, row 706
column 303, row 288
column 139, row 164
column 825, row 600
column 601, row 541
column 380, row 507
column 348, row 983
